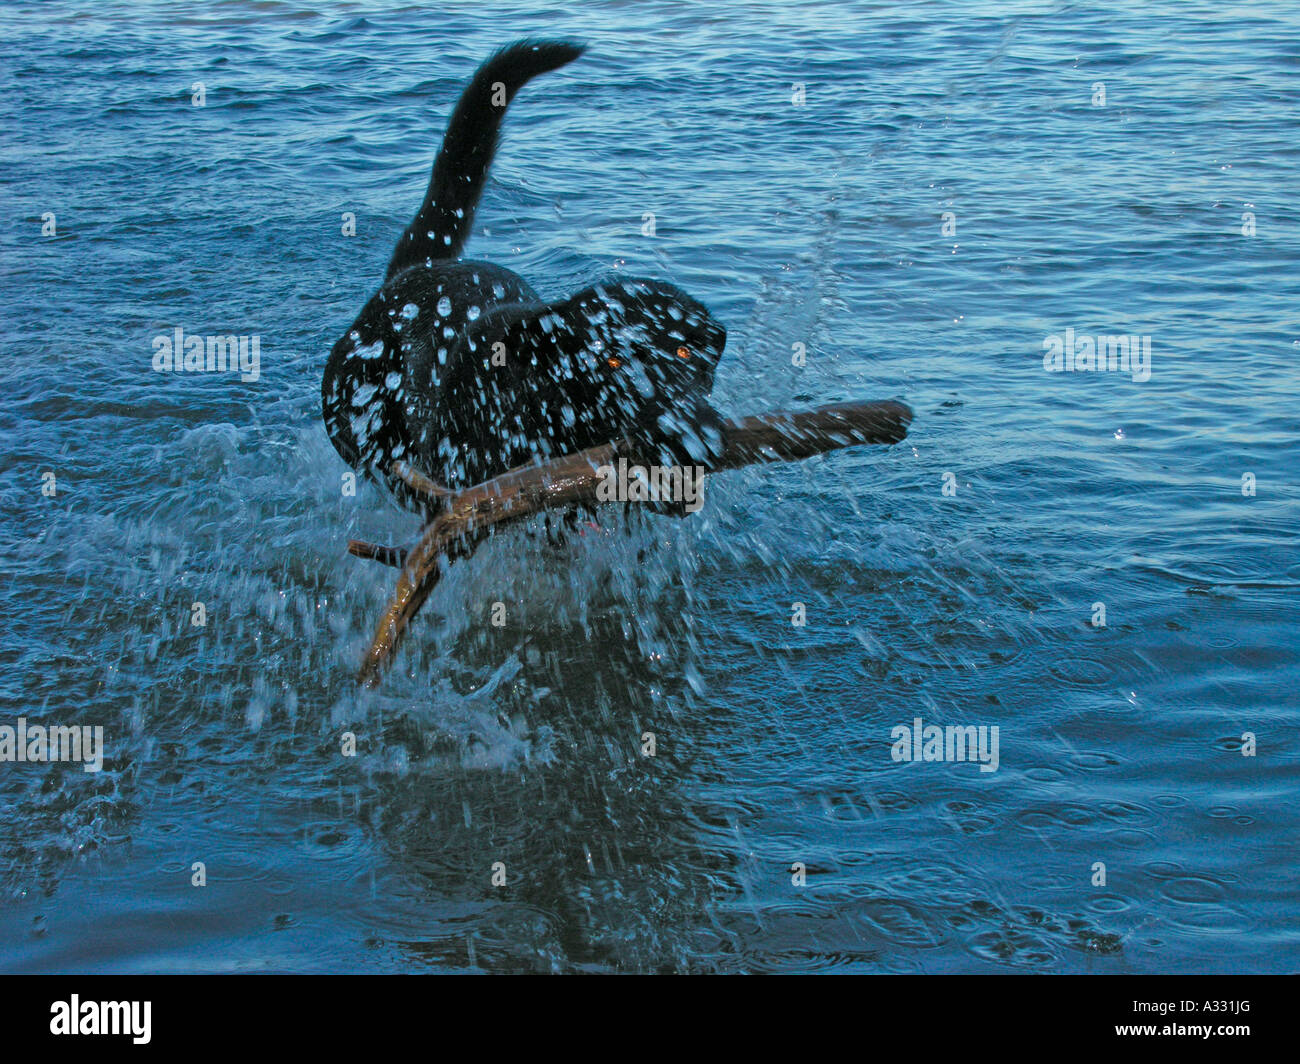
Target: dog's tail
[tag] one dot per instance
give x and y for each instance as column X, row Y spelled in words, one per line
column 442, row 225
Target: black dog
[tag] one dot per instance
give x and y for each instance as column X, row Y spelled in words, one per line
column 458, row 366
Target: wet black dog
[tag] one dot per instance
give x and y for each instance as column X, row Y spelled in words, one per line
column 459, row 367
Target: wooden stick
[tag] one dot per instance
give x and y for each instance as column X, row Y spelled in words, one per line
column 469, row 516
column 375, row 552
column 421, row 483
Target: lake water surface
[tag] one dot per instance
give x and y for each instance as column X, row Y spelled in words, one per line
column 1168, row 210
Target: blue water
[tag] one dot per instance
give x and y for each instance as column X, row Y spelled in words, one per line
column 819, row 225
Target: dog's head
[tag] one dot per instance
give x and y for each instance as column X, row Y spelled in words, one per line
column 647, row 333
column 648, row 352
column 626, row 358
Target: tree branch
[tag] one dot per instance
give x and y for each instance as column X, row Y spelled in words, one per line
column 465, row 518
